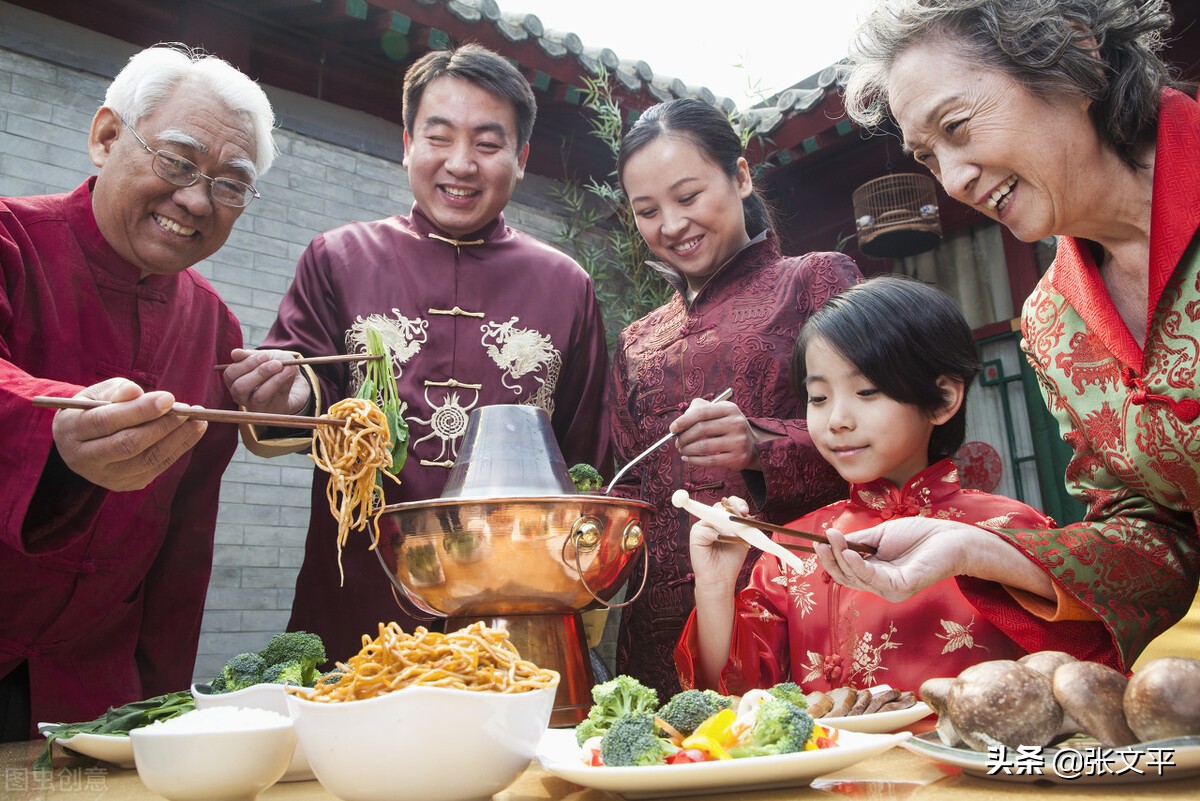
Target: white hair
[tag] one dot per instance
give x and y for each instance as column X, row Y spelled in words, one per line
column 153, row 74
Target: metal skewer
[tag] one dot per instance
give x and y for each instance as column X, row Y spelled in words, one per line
column 725, row 395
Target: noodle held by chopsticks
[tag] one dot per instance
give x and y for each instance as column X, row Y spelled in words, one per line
column 473, row 658
column 354, row 454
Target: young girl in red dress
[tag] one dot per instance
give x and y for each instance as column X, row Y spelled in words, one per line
column 885, row 367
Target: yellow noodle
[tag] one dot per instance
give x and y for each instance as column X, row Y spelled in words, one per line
column 473, row 658
column 353, row 454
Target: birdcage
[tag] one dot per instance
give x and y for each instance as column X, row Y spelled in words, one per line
column 897, row 215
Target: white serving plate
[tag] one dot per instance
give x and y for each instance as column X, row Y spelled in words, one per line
column 1185, row 759
column 880, row 722
column 560, row 755
column 113, row 748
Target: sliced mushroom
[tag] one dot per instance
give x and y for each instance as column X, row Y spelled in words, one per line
column 903, row 701
column 879, row 699
column 1003, row 702
column 933, row 692
column 861, row 701
column 1093, row 695
column 1163, row 698
column 843, row 698
column 819, row 703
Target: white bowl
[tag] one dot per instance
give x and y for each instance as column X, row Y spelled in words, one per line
column 212, row 765
column 260, row 696
column 422, row 743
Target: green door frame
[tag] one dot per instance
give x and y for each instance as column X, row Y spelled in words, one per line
column 1049, row 453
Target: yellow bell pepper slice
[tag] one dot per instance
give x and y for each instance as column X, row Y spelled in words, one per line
column 706, row 744
column 714, row 735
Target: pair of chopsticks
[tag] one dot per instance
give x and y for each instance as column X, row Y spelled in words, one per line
column 345, row 357
column 797, row 547
column 200, row 413
column 804, row 535
column 721, row 518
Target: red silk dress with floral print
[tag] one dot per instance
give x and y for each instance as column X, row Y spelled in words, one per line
column 807, row 628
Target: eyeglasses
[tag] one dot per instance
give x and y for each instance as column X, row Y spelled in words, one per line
column 182, row 172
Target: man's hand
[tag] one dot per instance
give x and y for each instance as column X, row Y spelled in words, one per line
column 716, row 435
column 258, row 381
column 127, row 445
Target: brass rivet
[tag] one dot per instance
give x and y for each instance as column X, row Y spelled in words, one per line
column 632, row 537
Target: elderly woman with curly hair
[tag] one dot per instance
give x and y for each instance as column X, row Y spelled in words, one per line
column 1058, row 118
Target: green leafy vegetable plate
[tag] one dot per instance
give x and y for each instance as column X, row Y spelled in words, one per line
column 114, row 748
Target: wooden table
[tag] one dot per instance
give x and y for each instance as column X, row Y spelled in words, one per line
column 893, row 776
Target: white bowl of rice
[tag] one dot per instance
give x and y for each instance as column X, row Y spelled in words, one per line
column 259, row 696
column 368, row 742
column 218, row 754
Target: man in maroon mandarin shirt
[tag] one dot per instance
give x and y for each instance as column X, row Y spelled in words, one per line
column 474, row 313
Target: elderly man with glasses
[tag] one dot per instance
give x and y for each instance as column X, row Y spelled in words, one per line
column 108, row 514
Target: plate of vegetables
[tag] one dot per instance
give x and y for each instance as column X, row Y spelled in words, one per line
column 700, row 742
column 291, row 657
column 107, row 737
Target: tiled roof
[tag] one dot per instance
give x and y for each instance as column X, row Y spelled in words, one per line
column 637, row 77
column 633, row 75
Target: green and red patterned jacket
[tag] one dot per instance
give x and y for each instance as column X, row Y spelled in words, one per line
column 1129, row 413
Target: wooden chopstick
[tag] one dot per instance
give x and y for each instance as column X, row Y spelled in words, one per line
column 798, row 547
column 200, row 413
column 345, row 357
column 804, row 535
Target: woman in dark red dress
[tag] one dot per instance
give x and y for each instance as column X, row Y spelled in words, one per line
column 738, row 307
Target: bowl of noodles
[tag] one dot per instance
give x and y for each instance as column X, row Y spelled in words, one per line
column 425, row 717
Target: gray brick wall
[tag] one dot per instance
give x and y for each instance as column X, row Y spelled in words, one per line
column 334, row 166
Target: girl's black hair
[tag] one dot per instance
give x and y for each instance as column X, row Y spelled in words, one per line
column 709, row 129
column 902, row 335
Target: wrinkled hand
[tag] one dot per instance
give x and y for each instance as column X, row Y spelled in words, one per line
column 716, row 435
column 258, row 381
column 716, row 564
column 127, row 445
column 914, row 553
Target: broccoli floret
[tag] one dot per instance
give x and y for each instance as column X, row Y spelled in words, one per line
column 790, row 691
column 688, row 709
column 614, row 699
column 242, row 671
column 296, row 648
column 284, row 673
column 586, row 478
column 631, row 742
column 781, row 728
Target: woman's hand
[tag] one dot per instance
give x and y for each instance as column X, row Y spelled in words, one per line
column 918, row 552
column 716, row 435
column 260, row 383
